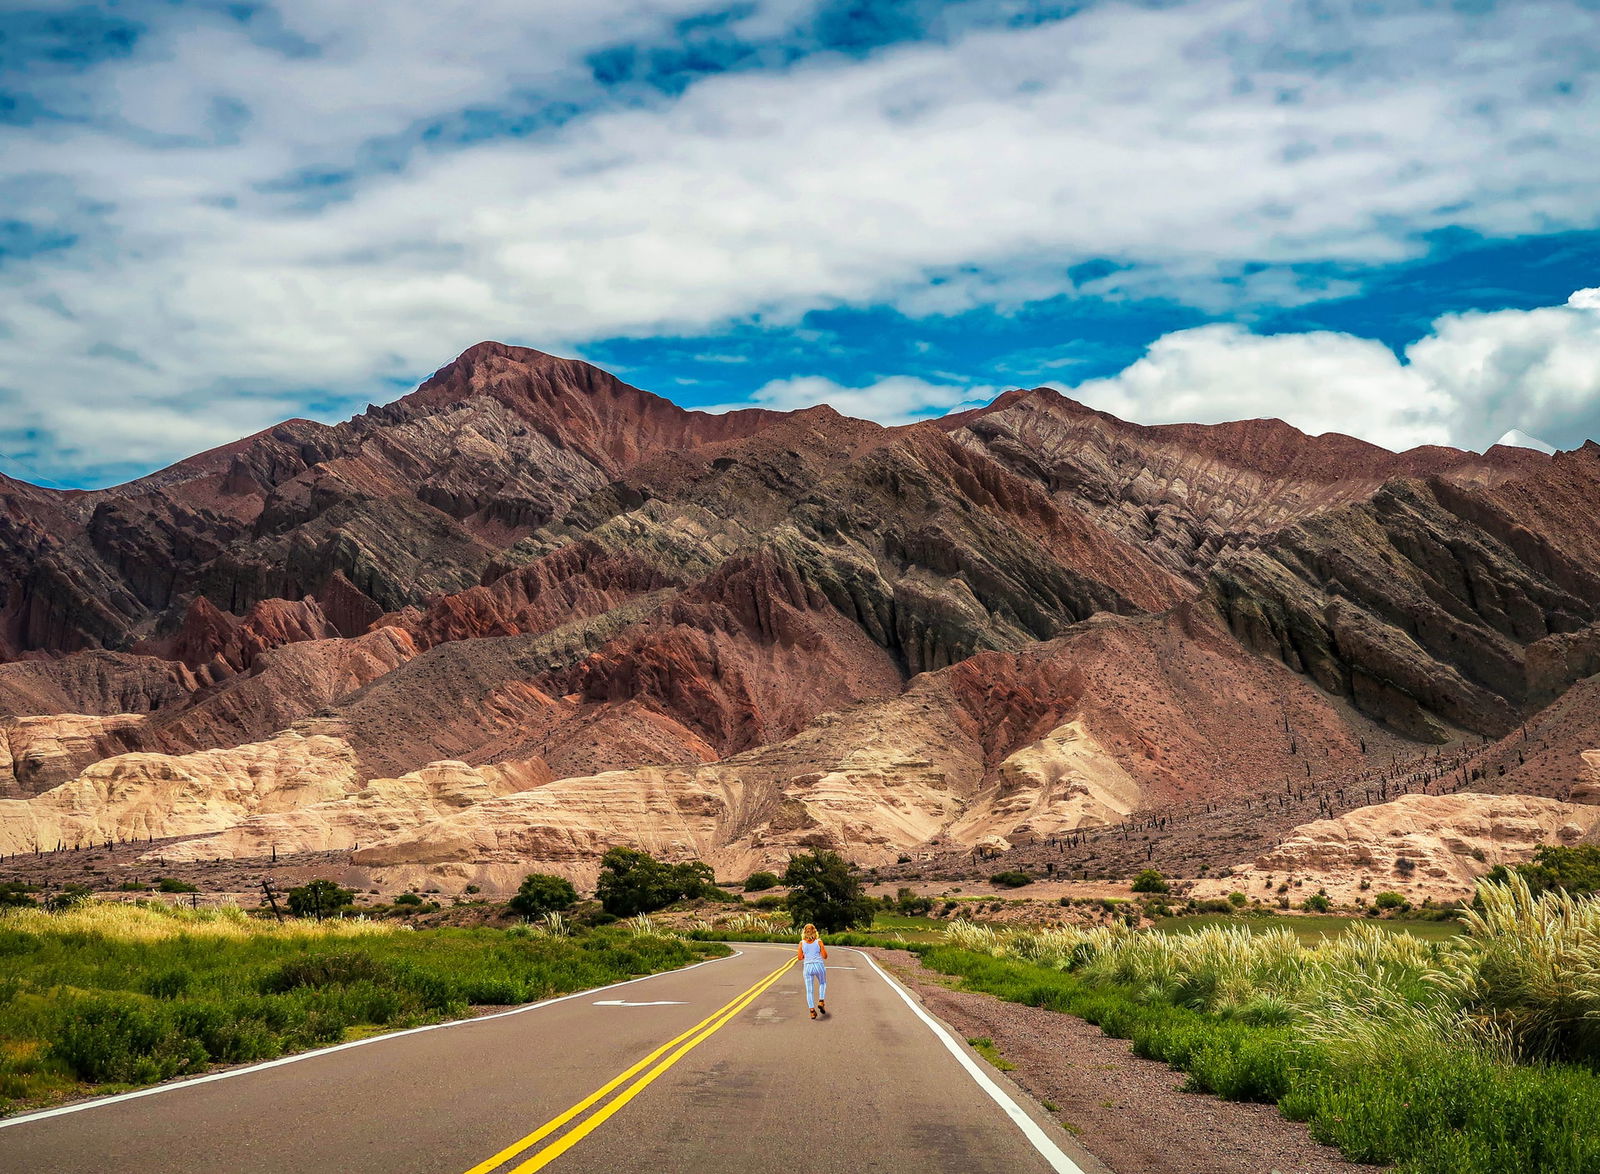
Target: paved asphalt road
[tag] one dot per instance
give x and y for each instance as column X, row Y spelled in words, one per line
column 713, row 1069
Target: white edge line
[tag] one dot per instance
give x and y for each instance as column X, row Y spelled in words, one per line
column 1041, row 1140
column 172, row 1086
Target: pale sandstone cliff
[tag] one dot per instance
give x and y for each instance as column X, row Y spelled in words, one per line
column 138, row 796
column 1449, row 840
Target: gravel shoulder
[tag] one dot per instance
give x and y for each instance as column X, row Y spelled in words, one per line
column 1125, row 1110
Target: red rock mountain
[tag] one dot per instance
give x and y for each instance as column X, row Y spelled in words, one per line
column 529, row 561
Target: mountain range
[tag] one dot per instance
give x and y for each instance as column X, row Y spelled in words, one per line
column 529, row 611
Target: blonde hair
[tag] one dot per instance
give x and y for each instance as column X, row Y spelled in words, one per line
column 809, row 933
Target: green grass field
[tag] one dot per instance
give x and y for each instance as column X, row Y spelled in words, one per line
column 107, row 997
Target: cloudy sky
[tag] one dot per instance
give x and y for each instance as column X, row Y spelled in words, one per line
column 1376, row 217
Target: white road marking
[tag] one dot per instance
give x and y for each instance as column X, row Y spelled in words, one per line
column 625, row 1003
column 1040, row 1140
column 7, row 1122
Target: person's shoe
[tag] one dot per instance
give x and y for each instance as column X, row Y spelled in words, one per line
column 822, row 1005
column 813, row 1012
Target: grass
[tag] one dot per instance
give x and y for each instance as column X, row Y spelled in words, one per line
column 984, row 1046
column 1471, row 1055
column 106, row 997
column 1311, row 928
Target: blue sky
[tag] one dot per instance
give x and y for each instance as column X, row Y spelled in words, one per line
column 1378, row 218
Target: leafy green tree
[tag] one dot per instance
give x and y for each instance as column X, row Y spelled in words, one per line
column 630, row 882
column 1554, row 866
column 758, row 882
column 1238, row 900
column 635, row 882
column 1390, row 900
column 1150, row 881
column 540, row 893
column 1317, row 903
column 319, row 899
column 826, row 892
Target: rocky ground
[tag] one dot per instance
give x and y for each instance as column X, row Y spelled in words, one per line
column 1126, row 1111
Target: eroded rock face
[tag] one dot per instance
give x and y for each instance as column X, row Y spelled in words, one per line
column 139, row 796
column 1417, row 845
column 383, row 808
column 38, row 753
column 1064, row 781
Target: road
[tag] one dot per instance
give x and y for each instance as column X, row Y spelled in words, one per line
column 715, row 1068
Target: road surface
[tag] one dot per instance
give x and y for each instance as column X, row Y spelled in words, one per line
column 712, row 1069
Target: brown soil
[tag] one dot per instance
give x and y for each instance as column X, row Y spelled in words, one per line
column 1126, row 1111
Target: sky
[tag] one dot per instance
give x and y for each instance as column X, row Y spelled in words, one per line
column 1367, row 216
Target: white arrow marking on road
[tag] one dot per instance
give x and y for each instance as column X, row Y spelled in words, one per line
column 625, row 1003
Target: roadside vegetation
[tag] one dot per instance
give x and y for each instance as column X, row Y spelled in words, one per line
column 100, row 997
column 1474, row 1054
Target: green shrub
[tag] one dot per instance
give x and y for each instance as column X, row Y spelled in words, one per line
column 16, row 895
column 758, row 882
column 319, row 899
column 1150, row 881
column 1011, row 880
column 171, row 884
column 133, row 886
column 911, row 904
column 408, row 899
column 1317, row 903
column 1389, row 900
column 1238, row 900
column 540, row 893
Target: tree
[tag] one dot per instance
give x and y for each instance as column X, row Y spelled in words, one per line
column 758, row 882
column 1150, row 881
column 1554, row 866
column 319, row 899
column 826, row 892
column 69, row 897
column 634, row 882
column 541, row 893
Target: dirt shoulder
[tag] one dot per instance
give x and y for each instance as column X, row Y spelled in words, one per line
column 1125, row 1110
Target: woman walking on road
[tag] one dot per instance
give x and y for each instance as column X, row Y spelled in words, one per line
column 813, row 954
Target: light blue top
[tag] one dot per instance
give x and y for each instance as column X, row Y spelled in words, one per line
column 811, row 952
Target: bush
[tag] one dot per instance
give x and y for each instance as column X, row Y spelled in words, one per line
column 912, row 905
column 1011, row 880
column 1389, row 900
column 540, row 893
column 758, row 882
column 1150, row 881
column 67, row 897
column 633, row 882
column 1317, row 903
column 16, row 895
column 1238, row 900
column 1575, row 869
column 771, row 901
column 408, row 899
column 171, row 884
column 133, row 886
column 319, row 899
column 825, row 891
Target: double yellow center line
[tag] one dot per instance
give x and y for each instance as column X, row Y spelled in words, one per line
column 678, row 1048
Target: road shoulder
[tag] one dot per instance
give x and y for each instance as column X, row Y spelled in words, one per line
column 1125, row 1110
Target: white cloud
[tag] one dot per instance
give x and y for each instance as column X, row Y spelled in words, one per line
column 899, row 399
column 1184, row 141
column 1471, row 379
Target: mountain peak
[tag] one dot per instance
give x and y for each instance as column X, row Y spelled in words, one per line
column 1517, row 438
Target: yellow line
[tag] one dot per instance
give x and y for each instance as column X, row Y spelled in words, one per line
column 733, row 1006
column 556, row 1148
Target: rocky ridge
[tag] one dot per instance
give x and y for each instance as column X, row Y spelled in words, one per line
column 780, row 629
